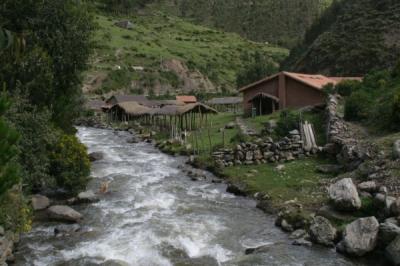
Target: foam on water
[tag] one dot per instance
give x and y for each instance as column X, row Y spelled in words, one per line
column 153, row 207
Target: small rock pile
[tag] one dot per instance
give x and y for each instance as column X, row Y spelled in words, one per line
column 263, row 151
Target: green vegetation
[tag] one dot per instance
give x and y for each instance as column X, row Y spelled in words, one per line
column 282, row 22
column 200, row 141
column 15, row 212
column 351, row 38
column 376, row 101
column 299, row 180
column 9, row 175
column 70, row 164
column 257, row 69
column 48, row 44
column 165, row 46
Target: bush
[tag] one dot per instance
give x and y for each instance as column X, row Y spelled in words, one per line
column 357, row 106
column 345, row 88
column 70, row 164
column 9, row 170
column 15, row 213
column 37, row 135
column 288, row 121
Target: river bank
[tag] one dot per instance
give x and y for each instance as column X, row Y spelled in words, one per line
column 156, row 215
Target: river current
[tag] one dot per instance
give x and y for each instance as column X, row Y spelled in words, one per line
column 156, row 215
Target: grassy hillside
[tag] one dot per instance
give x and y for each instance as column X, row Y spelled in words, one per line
column 282, row 22
column 353, row 37
column 165, row 54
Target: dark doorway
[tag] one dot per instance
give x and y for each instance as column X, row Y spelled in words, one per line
column 264, row 104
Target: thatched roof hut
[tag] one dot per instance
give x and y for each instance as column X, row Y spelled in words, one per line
column 94, row 105
column 130, row 109
column 225, row 101
column 171, row 110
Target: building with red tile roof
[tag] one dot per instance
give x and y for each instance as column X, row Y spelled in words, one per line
column 186, row 99
column 286, row 90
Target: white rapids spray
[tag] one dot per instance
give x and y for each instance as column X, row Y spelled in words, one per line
column 155, row 215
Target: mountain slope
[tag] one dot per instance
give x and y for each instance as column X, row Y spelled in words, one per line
column 164, row 54
column 351, row 38
column 282, row 22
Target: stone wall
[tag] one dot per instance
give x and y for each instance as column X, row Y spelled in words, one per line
column 263, row 151
column 342, row 141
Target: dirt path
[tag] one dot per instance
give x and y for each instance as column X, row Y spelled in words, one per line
column 245, row 128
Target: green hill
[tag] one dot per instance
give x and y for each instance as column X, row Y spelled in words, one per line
column 353, row 37
column 164, row 54
column 281, row 22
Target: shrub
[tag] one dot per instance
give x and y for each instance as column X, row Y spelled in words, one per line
column 288, row 121
column 345, row 88
column 357, row 106
column 70, row 163
column 37, row 135
column 15, row 213
column 395, row 109
column 9, row 174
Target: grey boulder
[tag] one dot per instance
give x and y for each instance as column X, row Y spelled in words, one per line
column 64, row 214
column 87, row 197
column 359, row 237
column 322, row 232
column 387, row 233
column 393, row 252
column 40, row 202
column 369, row 186
column 344, row 196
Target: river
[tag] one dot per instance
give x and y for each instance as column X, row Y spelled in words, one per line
column 156, row 215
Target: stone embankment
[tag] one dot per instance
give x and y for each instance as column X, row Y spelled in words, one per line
column 263, row 151
column 342, row 142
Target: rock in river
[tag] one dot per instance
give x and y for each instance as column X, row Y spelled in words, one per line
column 64, row 214
column 360, row 237
column 40, row 202
column 322, row 232
column 87, row 197
column 344, row 195
column 95, row 156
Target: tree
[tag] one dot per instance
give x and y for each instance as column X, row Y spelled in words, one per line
column 259, row 67
column 9, row 169
column 58, row 39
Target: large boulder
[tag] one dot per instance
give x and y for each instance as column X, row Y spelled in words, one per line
column 64, row 214
column 393, row 252
column 396, row 149
column 40, row 202
column 344, row 195
column 369, row 186
column 360, row 237
column 387, row 233
column 96, row 156
column 322, row 232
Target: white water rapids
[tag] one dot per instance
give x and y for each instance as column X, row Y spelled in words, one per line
column 155, row 215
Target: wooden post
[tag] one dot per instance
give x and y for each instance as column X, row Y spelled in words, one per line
column 209, row 138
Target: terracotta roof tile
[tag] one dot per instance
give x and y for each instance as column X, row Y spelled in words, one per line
column 186, row 99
